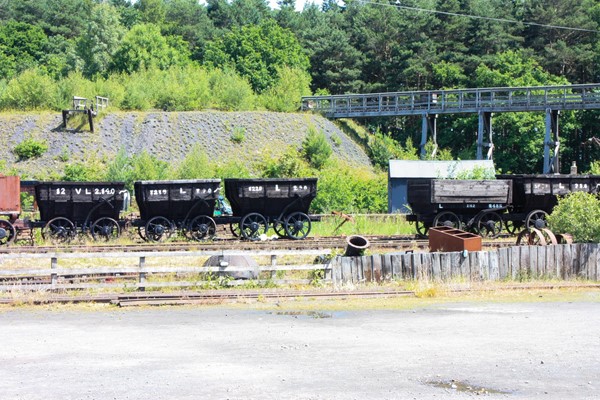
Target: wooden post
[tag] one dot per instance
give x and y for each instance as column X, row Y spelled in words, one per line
column 273, row 264
column 53, row 276
column 142, row 277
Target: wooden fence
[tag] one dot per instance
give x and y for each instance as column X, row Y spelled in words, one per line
column 133, row 271
column 520, row 262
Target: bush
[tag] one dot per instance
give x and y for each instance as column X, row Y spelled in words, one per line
column 183, row 89
column 120, row 169
column 288, row 165
column 315, row 148
column 578, row 214
column 195, row 165
column 345, row 188
column 83, row 172
column 146, row 167
column 230, row 92
column 285, row 94
column 30, row 148
column 31, row 90
column 238, row 135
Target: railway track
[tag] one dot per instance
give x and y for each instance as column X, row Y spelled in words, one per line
column 386, row 243
column 211, row 297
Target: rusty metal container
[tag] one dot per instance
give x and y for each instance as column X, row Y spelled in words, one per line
column 10, row 195
column 443, row 238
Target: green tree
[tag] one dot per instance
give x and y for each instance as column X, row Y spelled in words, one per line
column 189, row 20
column 144, row 47
column 315, row 148
column 255, row 52
column 564, row 52
column 22, row 47
column 101, row 40
column 151, row 11
column 336, row 65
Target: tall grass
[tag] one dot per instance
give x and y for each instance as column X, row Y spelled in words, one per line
column 378, row 224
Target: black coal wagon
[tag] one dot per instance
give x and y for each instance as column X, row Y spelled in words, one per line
column 535, row 196
column 186, row 206
column 476, row 205
column 279, row 203
column 68, row 207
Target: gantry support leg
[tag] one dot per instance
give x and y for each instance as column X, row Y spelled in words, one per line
column 485, row 125
column 429, row 124
column 551, row 141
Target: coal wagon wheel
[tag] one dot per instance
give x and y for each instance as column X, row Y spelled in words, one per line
column 253, row 225
column 536, row 219
column 447, row 219
column 201, row 227
column 159, row 228
column 7, row 232
column 297, row 225
column 234, row 227
column 59, row 230
column 105, row 229
column 279, row 228
column 422, row 228
column 512, row 227
column 489, row 224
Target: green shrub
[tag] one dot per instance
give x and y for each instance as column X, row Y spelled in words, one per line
column 285, row 94
column 288, row 165
column 64, row 155
column 30, row 148
column 232, row 169
column 315, row 148
column 382, row 148
column 195, row 165
column 120, row 169
column 83, row 172
column 182, row 89
column 31, row 90
column 349, row 189
column 140, row 90
column 230, row 92
column 578, row 214
column 335, row 139
column 146, row 167
column 477, row 173
column 238, row 135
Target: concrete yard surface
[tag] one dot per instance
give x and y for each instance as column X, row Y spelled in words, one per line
column 446, row 351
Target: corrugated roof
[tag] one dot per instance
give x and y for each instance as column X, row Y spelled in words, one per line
column 435, row 169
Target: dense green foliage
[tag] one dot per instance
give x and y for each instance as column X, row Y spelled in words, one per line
column 30, row 148
column 578, row 214
column 243, row 55
column 316, row 149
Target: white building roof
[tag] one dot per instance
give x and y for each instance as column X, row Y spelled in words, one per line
column 435, row 169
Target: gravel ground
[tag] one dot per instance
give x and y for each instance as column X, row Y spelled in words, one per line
column 449, row 351
column 168, row 136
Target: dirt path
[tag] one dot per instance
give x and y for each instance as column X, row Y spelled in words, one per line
column 450, row 351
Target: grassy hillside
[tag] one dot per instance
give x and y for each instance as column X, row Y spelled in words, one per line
column 225, row 136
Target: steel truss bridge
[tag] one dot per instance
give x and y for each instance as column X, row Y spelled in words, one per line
column 483, row 101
